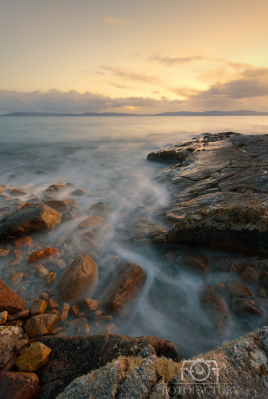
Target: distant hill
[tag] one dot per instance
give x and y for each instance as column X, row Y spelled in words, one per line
column 181, row 113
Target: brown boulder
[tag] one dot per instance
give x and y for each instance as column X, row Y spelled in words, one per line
column 44, row 253
column 57, row 187
column 16, row 385
column 78, row 192
column 59, row 206
column 79, row 280
column 41, row 324
column 33, row 357
column 238, row 289
column 99, row 209
column 10, row 301
column 37, row 217
column 18, row 191
column 122, row 291
column 194, row 262
column 23, row 242
column 9, row 337
column 90, row 304
column 250, row 275
column 93, row 222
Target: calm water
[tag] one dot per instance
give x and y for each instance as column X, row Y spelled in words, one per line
column 106, row 156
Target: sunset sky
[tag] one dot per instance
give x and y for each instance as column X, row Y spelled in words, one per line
column 143, row 56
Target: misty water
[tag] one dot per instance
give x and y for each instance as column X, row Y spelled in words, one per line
column 106, row 156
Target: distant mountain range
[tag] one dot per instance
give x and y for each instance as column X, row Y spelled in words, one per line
column 181, row 113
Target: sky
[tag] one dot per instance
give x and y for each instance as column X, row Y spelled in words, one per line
column 139, row 56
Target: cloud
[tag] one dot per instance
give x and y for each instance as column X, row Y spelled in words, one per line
column 129, row 76
column 114, row 21
column 73, row 101
column 125, row 87
column 173, row 61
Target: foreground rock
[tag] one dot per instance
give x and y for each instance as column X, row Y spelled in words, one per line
column 33, row 218
column 220, row 192
column 10, row 336
column 19, row 385
column 79, row 280
column 41, row 324
column 73, row 357
column 33, row 357
column 124, row 289
column 9, row 301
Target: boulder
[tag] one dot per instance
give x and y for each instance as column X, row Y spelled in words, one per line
column 78, row 192
column 124, row 289
column 43, row 254
column 18, row 191
column 99, row 209
column 38, row 307
column 9, row 337
column 10, row 301
column 93, row 222
column 33, row 357
column 23, row 242
column 90, row 304
column 41, row 324
column 37, row 217
column 79, row 279
column 59, row 206
column 3, row 317
column 14, row 385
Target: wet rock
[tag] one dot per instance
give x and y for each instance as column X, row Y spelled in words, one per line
column 78, row 324
column 88, row 245
column 50, row 277
column 93, row 222
column 238, row 289
column 16, row 385
column 250, row 275
column 213, row 303
column 169, row 156
column 38, row 307
column 140, row 381
column 3, row 317
column 64, row 312
column 37, row 217
column 53, row 304
column 23, row 314
column 75, row 310
column 59, row 263
column 10, row 301
column 78, row 192
column 124, row 289
column 68, row 216
column 90, row 304
column 194, row 262
column 99, row 384
column 4, row 252
column 45, row 253
column 99, row 209
column 41, row 324
column 58, row 187
column 16, row 278
column 59, row 206
column 242, row 305
column 44, row 296
column 23, row 242
column 73, row 205
column 17, row 256
column 18, row 192
column 41, row 271
column 79, row 280
column 9, row 336
column 33, row 357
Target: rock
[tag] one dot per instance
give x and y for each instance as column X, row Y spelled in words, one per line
column 73, row 205
column 99, row 209
column 18, row 191
column 4, row 252
column 159, row 391
column 23, row 242
column 88, row 245
column 33, row 358
column 57, row 187
column 50, row 277
column 75, row 310
column 17, row 256
column 23, row 314
column 41, row 271
column 168, row 156
column 1, row 190
column 68, row 216
column 79, row 280
column 194, row 262
column 100, row 384
column 89, row 234
column 38, row 307
column 59, row 263
column 3, row 317
column 238, row 289
column 59, row 206
column 37, row 217
column 140, row 381
column 93, row 222
column 264, row 278
column 124, row 289
column 45, row 253
column 211, row 300
column 249, row 274
column 78, row 192
column 44, row 296
column 243, row 305
column 41, row 324
column 16, row 385
column 10, row 301
column 64, row 312
column 53, row 304
column 147, row 352
column 90, row 304
column 16, row 278
column 9, row 336
column 74, row 357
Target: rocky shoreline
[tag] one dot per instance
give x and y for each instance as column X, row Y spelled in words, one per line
column 63, row 299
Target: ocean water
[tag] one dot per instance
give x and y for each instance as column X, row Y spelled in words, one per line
column 106, row 156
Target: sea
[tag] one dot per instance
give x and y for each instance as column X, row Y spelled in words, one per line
column 106, row 157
